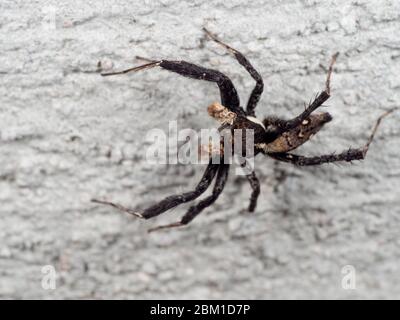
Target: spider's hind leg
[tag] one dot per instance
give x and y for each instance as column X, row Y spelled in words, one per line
column 258, row 89
column 171, row 201
column 348, row 155
column 255, row 186
column 193, row 211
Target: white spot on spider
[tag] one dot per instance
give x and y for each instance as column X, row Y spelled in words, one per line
column 221, row 113
column 255, row 120
column 138, row 214
column 289, row 156
column 305, row 122
column 263, row 146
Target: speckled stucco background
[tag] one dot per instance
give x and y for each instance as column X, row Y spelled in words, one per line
column 67, row 134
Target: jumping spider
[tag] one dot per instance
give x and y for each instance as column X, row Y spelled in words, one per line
column 272, row 136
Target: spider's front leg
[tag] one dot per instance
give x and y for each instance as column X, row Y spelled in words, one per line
column 349, row 155
column 229, row 95
column 193, row 211
column 258, row 89
column 171, row 201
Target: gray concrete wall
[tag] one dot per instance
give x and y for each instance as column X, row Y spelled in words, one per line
column 68, row 134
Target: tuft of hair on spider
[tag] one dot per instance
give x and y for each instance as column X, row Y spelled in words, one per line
column 273, row 137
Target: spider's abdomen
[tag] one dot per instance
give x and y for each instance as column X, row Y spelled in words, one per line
column 292, row 139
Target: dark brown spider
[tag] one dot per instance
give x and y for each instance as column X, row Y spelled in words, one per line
column 272, row 136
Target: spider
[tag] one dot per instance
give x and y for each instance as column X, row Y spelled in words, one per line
column 273, row 137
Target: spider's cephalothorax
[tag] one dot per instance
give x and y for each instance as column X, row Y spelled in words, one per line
column 272, row 136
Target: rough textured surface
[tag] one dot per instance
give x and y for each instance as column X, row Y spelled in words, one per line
column 68, row 135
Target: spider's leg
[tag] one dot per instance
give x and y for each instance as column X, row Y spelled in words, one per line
column 318, row 101
column 171, row 201
column 349, row 155
column 330, row 70
column 119, row 207
column 229, row 95
column 376, row 126
column 134, row 69
column 255, row 186
column 193, row 211
column 258, row 89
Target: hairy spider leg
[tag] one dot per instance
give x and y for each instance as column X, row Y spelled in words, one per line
column 258, row 89
column 171, row 201
column 255, row 186
column 349, row 155
column 193, row 211
column 318, row 101
column 229, row 95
